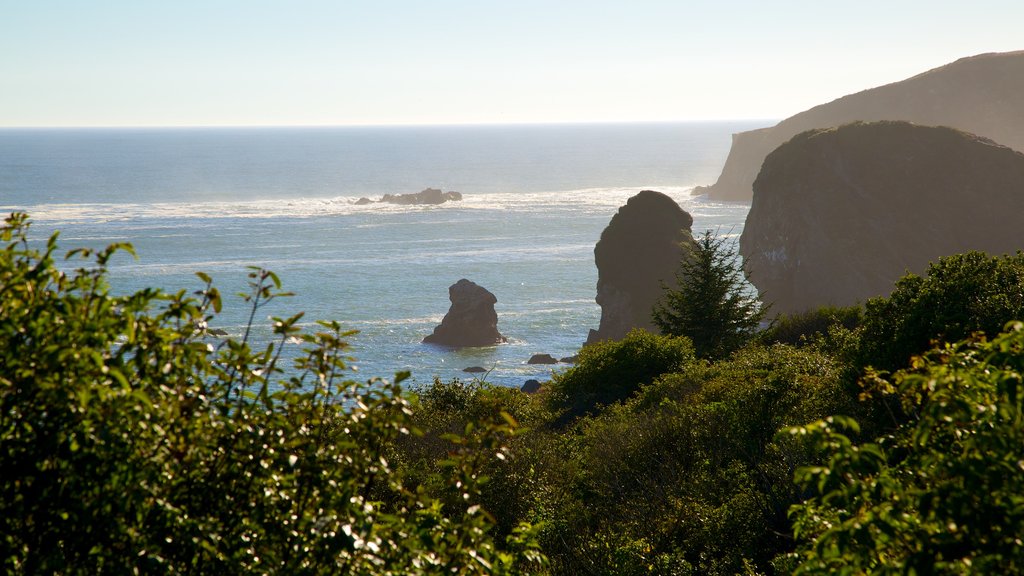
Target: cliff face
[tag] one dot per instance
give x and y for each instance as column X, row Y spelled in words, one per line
column 982, row 94
column 639, row 249
column 840, row 214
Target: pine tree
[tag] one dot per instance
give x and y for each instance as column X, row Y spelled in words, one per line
column 711, row 305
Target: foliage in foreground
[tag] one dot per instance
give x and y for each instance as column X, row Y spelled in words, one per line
column 132, row 441
column 943, row 494
column 711, row 305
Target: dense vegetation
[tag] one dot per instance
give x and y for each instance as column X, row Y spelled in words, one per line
column 864, row 440
column 131, row 440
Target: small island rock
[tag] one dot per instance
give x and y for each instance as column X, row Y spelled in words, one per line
column 427, row 196
column 542, row 359
column 471, row 319
column 530, row 386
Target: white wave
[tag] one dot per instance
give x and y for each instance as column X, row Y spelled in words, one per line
column 587, row 199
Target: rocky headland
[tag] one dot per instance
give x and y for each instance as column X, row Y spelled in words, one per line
column 839, row 214
column 982, row 94
column 427, row 196
column 640, row 249
column 471, row 319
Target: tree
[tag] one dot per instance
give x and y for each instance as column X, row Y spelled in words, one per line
column 711, row 305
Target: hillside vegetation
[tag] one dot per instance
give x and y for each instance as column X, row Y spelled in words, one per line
column 862, row 440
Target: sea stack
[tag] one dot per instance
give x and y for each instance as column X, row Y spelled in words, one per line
column 638, row 251
column 471, row 319
column 981, row 94
column 840, row 214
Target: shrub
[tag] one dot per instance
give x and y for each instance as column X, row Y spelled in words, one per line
column 611, row 371
column 133, row 441
column 943, row 494
column 798, row 329
column 959, row 295
column 688, row 475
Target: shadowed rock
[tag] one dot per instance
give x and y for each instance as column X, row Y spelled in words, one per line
column 471, row 319
column 639, row 250
column 982, row 94
column 428, row 196
column 542, row 359
column 840, row 214
column 531, row 386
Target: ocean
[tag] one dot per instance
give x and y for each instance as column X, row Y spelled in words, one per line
column 216, row 200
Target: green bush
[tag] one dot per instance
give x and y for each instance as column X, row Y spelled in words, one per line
column 942, row 494
column 806, row 327
column 688, row 475
column 448, row 411
column 611, row 371
column 958, row 296
column 133, row 441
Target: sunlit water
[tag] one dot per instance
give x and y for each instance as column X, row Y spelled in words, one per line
column 536, row 201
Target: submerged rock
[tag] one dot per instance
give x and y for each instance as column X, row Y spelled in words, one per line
column 471, row 319
column 542, row 359
column 982, row 94
column 840, row 214
column 475, row 369
column 640, row 249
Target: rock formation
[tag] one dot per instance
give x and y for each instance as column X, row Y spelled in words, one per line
column 428, row 196
column 639, row 250
column 840, row 214
column 471, row 319
column 530, row 386
column 982, row 94
column 542, row 359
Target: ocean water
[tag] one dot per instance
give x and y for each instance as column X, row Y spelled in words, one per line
column 217, row 200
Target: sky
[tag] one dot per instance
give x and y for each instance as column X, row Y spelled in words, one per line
column 369, row 62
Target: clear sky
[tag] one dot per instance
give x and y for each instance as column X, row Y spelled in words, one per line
column 333, row 62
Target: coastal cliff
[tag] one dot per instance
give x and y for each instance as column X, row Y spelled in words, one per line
column 639, row 250
column 839, row 214
column 982, row 94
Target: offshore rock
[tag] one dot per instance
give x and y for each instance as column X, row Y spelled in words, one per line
column 542, row 359
column 640, row 249
column 840, row 214
column 982, row 94
column 471, row 319
column 530, row 386
column 428, row 196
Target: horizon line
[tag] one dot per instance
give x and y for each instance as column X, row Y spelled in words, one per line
column 382, row 124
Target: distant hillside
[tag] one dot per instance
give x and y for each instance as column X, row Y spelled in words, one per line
column 982, row 94
column 840, row 214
